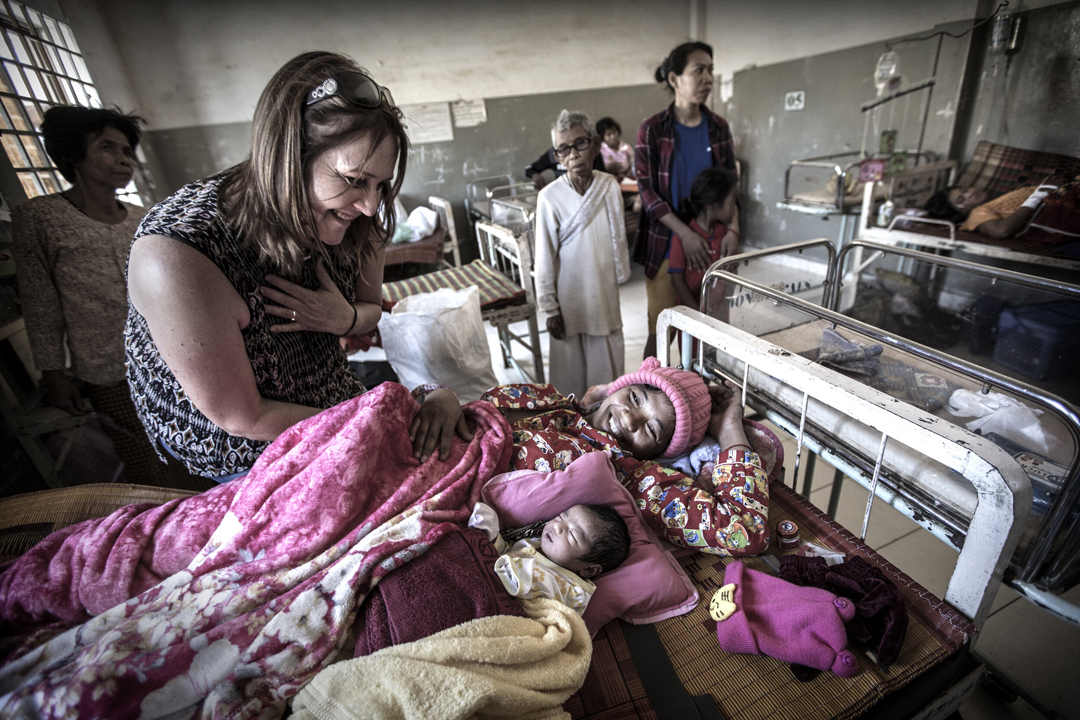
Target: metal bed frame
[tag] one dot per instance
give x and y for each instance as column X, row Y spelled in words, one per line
column 1053, row 557
column 445, row 212
column 510, row 254
column 1002, row 489
column 841, row 166
column 480, row 192
column 898, row 232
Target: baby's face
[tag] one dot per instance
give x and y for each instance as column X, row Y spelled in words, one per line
column 567, row 537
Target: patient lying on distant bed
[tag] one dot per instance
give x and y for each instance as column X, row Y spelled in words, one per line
column 557, row 558
column 1047, row 213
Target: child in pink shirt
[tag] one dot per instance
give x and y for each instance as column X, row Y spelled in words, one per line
column 708, row 210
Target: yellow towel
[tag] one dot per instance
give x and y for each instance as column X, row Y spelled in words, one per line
column 494, row 667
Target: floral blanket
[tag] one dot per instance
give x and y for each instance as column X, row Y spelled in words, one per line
column 333, row 505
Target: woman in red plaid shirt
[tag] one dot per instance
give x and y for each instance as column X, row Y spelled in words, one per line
column 673, row 147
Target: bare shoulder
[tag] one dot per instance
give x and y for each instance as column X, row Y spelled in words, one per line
column 163, row 270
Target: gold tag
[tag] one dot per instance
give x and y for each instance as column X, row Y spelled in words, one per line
column 723, row 603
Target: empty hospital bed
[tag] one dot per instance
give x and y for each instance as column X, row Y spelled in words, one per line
column 942, row 325
column 481, row 191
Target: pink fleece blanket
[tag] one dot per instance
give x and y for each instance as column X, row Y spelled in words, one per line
column 230, row 623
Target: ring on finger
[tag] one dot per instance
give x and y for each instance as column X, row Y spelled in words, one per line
column 294, row 316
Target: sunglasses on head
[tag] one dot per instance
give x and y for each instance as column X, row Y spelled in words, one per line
column 356, row 87
column 581, row 145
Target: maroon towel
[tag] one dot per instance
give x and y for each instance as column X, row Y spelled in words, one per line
column 451, row 583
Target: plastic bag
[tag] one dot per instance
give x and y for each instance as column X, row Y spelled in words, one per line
column 423, row 221
column 1001, row 414
column 439, row 337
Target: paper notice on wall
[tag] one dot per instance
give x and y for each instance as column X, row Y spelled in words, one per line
column 428, row 122
column 469, row 113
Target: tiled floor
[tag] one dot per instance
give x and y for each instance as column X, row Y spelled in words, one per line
column 1040, row 651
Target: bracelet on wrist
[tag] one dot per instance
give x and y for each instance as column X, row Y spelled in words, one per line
column 352, row 325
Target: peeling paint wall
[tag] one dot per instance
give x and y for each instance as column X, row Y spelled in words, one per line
column 204, row 62
column 1030, row 97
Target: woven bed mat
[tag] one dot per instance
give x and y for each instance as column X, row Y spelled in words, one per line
column 26, row 519
column 496, row 291
column 747, row 687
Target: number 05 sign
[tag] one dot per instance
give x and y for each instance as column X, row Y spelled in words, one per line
column 795, row 100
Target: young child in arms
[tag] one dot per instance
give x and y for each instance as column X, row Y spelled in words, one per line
column 708, row 210
column 557, row 559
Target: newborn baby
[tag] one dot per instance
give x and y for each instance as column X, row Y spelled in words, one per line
column 557, row 558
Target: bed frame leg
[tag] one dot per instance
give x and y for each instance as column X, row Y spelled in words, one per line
column 504, row 345
column 538, row 356
column 834, row 493
column 808, row 475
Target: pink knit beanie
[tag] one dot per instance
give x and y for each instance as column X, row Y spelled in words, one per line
column 773, row 617
column 687, row 392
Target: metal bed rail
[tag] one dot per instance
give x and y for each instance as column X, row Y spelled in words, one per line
column 1065, row 411
column 480, row 192
column 1004, row 491
column 732, row 263
column 895, row 235
column 1055, row 532
column 841, row 170
column 509, row 253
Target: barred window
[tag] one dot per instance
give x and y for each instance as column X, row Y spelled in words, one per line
column 41, row 66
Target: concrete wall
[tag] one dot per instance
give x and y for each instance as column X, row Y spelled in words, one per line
column 768, row 138
column 1030, row 98
column 517, row 131
column 204, row 62
column 768, row 32
column 195, row 68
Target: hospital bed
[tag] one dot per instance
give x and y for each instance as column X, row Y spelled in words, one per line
column 675, row 669
column 433, row 249
column 868, row 294
column 518, row 213
column 829, row 185
column 995, row 168
column 480, row 192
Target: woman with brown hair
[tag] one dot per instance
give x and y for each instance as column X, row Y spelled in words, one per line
column 240, row 284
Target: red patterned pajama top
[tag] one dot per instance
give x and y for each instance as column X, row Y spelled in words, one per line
column 725, row 514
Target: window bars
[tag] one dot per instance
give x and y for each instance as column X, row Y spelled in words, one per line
column 41, row 65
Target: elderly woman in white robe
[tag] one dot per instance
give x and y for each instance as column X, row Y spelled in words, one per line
column 581, row 257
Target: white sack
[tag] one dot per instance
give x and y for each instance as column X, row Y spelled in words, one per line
column 423, row 221
column 439, row 338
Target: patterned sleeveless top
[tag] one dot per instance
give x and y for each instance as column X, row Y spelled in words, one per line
column 306, row 368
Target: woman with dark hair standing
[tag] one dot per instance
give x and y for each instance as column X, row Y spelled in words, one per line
column 673, row 147
column 240, row 284
column 70, row 249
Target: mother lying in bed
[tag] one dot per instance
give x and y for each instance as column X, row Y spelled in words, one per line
column 1048, row 212
column 232, row 600
column 655, row 412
